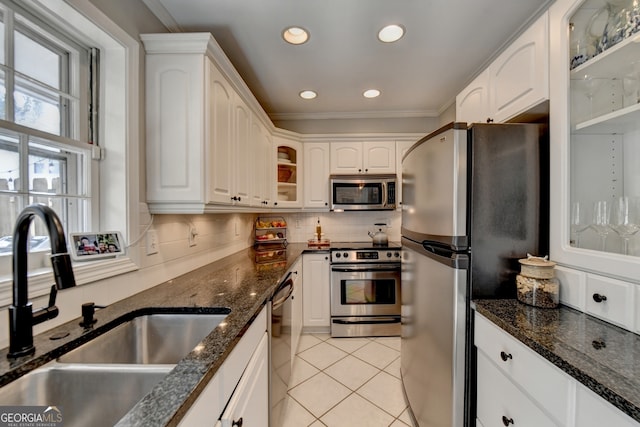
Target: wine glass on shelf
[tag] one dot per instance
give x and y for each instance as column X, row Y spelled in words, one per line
column 580, row 220
column 600, row 221
column 589, row 86
column 625, row 219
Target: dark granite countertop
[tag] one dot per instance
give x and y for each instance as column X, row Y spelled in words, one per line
column 236, row 283
column 603, row 357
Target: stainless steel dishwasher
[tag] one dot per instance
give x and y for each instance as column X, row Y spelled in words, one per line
column 280, row 348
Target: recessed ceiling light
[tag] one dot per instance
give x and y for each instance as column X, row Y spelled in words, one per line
column 308, row 94
column 371, row 93
column 391, row 33
column 295, row 35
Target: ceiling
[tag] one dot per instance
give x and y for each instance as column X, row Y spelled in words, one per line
column 446, row 43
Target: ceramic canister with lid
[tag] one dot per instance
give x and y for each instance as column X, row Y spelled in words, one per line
column 536, row 283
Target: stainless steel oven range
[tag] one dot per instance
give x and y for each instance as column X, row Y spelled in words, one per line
column 365, row 292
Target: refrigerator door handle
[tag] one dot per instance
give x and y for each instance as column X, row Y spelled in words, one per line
column 438, row 249
column 440, row 253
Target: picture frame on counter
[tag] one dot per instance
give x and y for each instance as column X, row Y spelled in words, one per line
column 91, row 246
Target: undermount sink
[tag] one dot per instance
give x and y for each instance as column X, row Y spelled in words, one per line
column 88, row 395
column 147, row 339
column 97, row 383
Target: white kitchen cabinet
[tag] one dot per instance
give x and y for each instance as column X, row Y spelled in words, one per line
column 289, row 162
column 316, row 292
column 516, row 81
column 515, row 382
column 500, row 402
column 199, row 133
column 591, row 411
column 222, row 388
column 316, row 175
column 249, row 404
column 543, row 382
column 472, row 104
column 372, row 157
column 519, row 77
column 243, row 175
column 595, row 150
column 262, row 160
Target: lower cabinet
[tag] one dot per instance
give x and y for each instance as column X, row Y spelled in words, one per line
column 240, row 388
column 501, row 402
column 516, row 386
column 249, row 404
column 316, row 292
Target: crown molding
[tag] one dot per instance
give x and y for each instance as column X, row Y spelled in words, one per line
column 356, row 115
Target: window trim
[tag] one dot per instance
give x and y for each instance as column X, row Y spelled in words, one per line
column 119, row 136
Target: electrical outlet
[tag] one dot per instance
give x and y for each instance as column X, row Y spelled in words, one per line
column 152, row 242
column 193, row 232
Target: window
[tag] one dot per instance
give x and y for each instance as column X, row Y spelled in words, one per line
column 106, row 197
column 43, row 118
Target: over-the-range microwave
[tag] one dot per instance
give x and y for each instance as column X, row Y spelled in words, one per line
column 363, row 192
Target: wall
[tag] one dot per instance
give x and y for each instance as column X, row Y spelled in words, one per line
column 341, row 226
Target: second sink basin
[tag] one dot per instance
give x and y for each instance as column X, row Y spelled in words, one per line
column 148, row 339
column 88, row 395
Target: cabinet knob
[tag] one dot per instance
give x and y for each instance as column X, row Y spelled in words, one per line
column 239, row 423
column 598, row 344
column 326, row 257
column 326, row 204
column 366, row 170
column 505, row 356
column 599, row 298
column 275, row 203
column 506, row 421
column 359, row 170
column 489, row 120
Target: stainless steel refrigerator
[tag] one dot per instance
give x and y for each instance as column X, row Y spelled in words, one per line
column 475, row 200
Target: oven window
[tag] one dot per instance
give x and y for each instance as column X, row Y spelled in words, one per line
column 367, row 291
column 357, row 194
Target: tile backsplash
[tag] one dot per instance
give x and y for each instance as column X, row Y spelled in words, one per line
column 341, row 226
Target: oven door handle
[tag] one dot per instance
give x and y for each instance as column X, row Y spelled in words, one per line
column 361, row 268
column 376, row 321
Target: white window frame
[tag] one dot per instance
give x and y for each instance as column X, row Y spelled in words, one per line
column 118, row 176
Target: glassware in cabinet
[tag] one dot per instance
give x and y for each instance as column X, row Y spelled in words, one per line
column 604, row 125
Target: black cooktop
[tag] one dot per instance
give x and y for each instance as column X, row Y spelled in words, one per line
column 335, row 246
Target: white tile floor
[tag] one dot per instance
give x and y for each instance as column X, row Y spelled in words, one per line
column 346, row 382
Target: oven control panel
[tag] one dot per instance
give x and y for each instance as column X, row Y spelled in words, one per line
column 365, row 255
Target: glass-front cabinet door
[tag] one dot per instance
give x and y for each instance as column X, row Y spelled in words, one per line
column 595, row 135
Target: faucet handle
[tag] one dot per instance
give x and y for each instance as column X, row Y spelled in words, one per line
column 50, row 311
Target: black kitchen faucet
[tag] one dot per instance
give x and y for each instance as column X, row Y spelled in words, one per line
column 21, row 315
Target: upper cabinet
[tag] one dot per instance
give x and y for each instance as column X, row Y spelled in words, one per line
column 515, row 82
column 372, row 157
column 472, row 104
column 201, row 133
column 289, row 173
column 595, row 134
column 316, row 175
column 262, row 161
